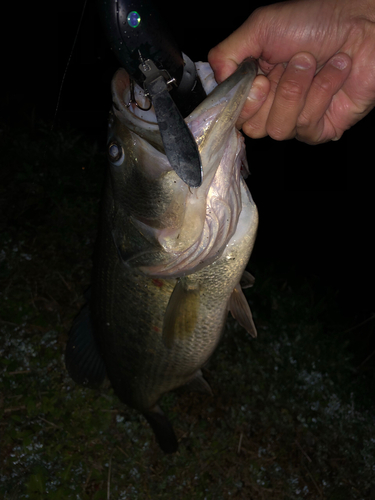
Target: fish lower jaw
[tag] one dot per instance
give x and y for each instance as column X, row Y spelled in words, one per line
column 140, row 108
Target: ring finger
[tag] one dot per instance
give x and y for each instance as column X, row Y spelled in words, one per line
column 313, row 125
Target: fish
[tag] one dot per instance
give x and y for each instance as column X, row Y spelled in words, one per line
column 170, row 260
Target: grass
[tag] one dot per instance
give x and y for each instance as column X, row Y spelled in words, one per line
column 289, row 418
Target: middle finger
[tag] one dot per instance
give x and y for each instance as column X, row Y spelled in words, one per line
column 290, row 96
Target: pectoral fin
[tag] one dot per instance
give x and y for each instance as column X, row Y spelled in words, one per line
column 240, row 310
column 181, row 314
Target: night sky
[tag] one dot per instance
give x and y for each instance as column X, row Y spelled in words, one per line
column 315, row 202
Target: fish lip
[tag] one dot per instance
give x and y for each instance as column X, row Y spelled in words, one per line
column 243, row 76
column 248, row 67
column 215, row 117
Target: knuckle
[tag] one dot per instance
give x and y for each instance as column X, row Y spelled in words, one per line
column 323, row 85
column 254, row 129
column 308, row 137
column 307, row 130
column 278, row 133
column 258, row 14
column 290, row 91
column 307, row 140
column 316, row 134
column 304, row 121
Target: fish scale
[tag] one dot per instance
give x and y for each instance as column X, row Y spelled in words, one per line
column 169, row 259
column 156, row 368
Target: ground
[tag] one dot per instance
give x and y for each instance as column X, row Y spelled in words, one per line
column 290, row 416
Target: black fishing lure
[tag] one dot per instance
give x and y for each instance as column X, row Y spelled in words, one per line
column 147, row 51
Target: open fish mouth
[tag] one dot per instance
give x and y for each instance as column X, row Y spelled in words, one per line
column 204, row 218
column 130, row 98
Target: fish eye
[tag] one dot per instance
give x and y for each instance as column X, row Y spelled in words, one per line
column 115, row 153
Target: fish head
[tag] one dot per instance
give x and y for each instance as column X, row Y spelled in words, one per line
column 184, row 228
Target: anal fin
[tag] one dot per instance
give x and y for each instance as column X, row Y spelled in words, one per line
column 247, row 280
column 198, row 384
column 82, row 357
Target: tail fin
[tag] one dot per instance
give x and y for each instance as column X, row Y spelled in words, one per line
column 163, row 430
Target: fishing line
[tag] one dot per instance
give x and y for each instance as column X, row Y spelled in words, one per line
column 67, row 65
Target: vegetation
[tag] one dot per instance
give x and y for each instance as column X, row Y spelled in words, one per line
column 289, row 418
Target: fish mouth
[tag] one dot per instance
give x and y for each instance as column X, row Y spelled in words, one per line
column 208, row 214
column 133, row 98
column 130, row 103
column 133, row 108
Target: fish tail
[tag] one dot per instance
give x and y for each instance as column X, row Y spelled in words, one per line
column 163, row 430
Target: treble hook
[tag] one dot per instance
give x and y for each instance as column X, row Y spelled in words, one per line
column 133, row 99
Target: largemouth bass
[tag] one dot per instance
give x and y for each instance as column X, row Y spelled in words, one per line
column 169, row 259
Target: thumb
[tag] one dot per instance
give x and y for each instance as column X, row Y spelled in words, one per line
column 242, row 43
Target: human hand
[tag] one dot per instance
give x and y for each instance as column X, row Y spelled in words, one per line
column 319, row 58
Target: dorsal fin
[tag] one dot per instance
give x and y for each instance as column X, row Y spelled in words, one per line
column 82, row 357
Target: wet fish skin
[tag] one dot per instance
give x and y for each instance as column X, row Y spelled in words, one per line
column 169, row 259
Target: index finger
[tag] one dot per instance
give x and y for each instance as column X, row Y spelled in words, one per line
column 228, row 54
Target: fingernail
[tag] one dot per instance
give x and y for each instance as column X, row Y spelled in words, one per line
column 339, row 63
column 256, row 94
column 301, row 62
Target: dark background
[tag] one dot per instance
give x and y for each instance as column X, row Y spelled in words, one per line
column 315, row 202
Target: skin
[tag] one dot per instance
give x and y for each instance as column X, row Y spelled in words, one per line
column 318, row 63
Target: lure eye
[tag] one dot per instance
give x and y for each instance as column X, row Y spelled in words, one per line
column 115, row 153
column 134, row 19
